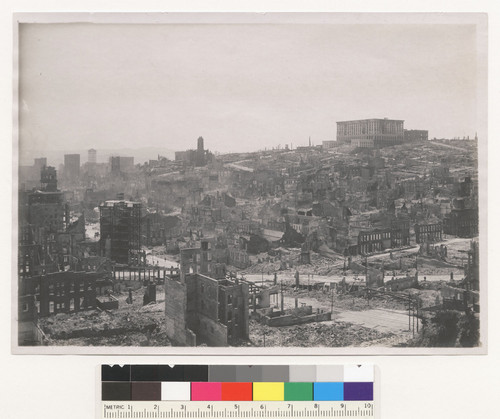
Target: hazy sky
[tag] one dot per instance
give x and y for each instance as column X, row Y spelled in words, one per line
column 242, row 87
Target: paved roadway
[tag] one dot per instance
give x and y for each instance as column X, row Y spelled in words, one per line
column 383, row 320
column 162, row 261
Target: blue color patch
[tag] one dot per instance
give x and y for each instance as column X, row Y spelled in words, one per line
column 328, row 391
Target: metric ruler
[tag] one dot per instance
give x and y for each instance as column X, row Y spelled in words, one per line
column 244, row 410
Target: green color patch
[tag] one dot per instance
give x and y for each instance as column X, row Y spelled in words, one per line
column 298, row 391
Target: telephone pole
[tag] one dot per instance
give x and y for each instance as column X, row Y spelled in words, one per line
column 331, row 306
column 413, row 318
column 282, row 298
column 409, row 314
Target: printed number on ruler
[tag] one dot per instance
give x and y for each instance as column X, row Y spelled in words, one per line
column 209, row 410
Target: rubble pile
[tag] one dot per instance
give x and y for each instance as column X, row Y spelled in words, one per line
column 130, row 324
column 351, row 302
column 325, row 334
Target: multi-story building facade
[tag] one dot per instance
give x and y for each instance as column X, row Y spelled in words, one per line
column 383, row 132
column 462, row 222
column 411, row 135
column 203, row 308
column 425, row 233
column 362, row 143
column 72, row 166
column 197, row 260
column 121, row 231
column 92, row 156
column 374, row 241
column 378, row 240
column 57, row 292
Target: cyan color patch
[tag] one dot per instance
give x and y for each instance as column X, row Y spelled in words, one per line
column 328, row 391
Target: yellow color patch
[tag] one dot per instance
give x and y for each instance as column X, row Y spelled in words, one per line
column 269, row 391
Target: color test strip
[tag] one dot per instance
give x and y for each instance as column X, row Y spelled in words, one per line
column 237, row 383
column 328, row 391
column 142, row 390
column 206, row 391
column 116, row 391
column 176, row 390
column 299, row 391
column 269, row 391
column 329, row 373
column 358, row 391
column 237, row 391
column 358, row 373
column 302, row 373
column 115, row 372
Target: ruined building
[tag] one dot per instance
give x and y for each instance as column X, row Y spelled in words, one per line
column 462, row 222
column 121, row 231
column 46, row 255
column 428, row 232
column 57, row 292
column 43, row 215
column 201, row 305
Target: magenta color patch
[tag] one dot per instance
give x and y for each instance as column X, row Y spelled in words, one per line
column 206, row 391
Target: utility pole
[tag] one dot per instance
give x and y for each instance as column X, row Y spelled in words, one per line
column 366, row 270
column 282, row 298
column 417, row 315
column 254, row 300
column 331, row 306
column 413, row 318
column 409, row 308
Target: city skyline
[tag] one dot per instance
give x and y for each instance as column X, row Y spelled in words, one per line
column 174, row 83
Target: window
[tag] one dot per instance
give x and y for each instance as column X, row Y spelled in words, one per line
column 229, row 299
column 51, row 306
column 25, row 307
column 82, row 303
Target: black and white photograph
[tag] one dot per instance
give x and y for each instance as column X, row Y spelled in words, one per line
column 239, row 183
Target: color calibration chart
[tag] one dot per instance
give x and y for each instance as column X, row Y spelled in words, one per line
column 237, row 391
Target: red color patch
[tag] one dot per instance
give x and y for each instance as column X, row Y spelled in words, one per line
column 237, row 392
